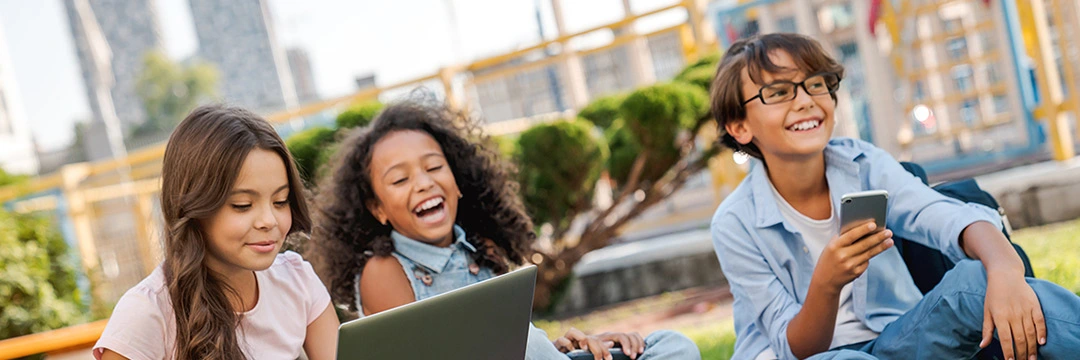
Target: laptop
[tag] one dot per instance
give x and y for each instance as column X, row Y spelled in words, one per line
column 486, row 320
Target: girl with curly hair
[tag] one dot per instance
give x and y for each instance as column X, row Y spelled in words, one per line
column 230, row 195
column 415, row 205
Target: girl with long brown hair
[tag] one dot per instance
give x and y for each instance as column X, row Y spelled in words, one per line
column 230, row 195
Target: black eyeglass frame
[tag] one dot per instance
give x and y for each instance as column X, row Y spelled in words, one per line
column 797, row 85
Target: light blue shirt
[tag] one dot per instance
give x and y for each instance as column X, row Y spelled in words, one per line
column 768, row 265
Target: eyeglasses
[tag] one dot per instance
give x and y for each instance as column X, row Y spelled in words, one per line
column 784, row 91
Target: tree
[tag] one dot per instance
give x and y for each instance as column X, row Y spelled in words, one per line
column 38, row 290
column 654, row 149
column 169, row 91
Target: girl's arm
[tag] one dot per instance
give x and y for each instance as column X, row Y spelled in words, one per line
column 322, row 336
column 383, row 285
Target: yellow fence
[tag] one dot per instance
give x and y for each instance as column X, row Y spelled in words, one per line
column 112, row 206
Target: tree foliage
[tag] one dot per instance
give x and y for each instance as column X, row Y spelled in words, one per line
column 169, row 91
column 38, row 290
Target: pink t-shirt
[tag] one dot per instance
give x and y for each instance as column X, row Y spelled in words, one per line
column 143, row 326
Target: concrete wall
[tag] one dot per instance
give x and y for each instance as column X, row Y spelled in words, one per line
column 642, row 268
column 1037, row 194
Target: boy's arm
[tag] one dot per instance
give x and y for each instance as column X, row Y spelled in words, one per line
column 919, row 213
column 845, row 258
column 793, row 330
column 1011, row 305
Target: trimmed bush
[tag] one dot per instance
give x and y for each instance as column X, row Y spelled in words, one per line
column 657, row 113
column 358, row 115
column 625, row 149
column 306, row 147
column 603, row 111
column 710, row 61
column 559, row 164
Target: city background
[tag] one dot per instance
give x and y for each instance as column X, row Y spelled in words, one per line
column 90, row 90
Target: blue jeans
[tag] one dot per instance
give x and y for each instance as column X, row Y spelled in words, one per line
column 947, row 323
column 660, row 345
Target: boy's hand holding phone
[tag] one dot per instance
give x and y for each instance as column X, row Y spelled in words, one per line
column 847, row 256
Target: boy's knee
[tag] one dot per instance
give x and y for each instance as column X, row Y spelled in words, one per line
column 671, row 342
column 967, row 274
column 969, row 270
column 842, row 354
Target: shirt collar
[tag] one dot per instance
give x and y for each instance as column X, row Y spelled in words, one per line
column 841, row 173
column 430, row 256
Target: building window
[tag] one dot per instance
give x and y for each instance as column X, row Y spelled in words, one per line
column 1001, row 104
column 969, row 112
column 787, row 24
column 919, row 91
column 962, row 78
column 957, row 47
column 993, row 76
column 952, row 25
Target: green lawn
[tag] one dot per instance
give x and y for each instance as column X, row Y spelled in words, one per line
column 1054, row 251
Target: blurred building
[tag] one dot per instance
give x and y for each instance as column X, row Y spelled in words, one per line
column 17, row 153
column 131, row 29
column 302, row 74
column 238, row 37
column 111, row 48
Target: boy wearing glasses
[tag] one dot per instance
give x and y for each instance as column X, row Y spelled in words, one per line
column 803, row 288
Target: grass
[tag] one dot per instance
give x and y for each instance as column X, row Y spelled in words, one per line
column 1054, row 251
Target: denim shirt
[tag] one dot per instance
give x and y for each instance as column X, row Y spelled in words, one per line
column 433, row 270
column 768, row 265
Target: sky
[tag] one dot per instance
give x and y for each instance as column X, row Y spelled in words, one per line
column 394, row 39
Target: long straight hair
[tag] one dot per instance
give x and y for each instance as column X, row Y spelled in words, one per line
column 202, row 161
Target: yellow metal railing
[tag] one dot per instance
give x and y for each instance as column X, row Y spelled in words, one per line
column 90, row 190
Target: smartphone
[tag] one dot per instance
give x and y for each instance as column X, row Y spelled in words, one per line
column 856, row 208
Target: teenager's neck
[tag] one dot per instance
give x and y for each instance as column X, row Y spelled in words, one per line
column 244, row 282
column 801, row 181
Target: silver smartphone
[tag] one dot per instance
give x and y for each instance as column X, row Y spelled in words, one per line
column 858, row 207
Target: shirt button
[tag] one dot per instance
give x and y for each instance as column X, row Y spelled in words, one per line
column 805, row 250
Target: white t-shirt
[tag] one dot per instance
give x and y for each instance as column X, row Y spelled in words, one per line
column 291, row 297
column 817, row 234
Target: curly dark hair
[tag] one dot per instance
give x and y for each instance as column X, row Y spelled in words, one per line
column 346, row 234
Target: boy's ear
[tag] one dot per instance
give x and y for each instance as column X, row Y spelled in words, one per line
column 376, row 210
column 739, row 130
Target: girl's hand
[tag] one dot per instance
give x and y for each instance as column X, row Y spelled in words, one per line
column 847, row 256
column 632, row 344
column 575, row 339
column 1012, row 307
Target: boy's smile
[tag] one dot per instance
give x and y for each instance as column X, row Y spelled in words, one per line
column 790, row 129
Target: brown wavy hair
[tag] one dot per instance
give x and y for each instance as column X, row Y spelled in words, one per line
column 201, row 164
column 752, row 54
column 346, row 234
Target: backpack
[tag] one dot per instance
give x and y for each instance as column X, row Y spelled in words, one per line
column 926, row 265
